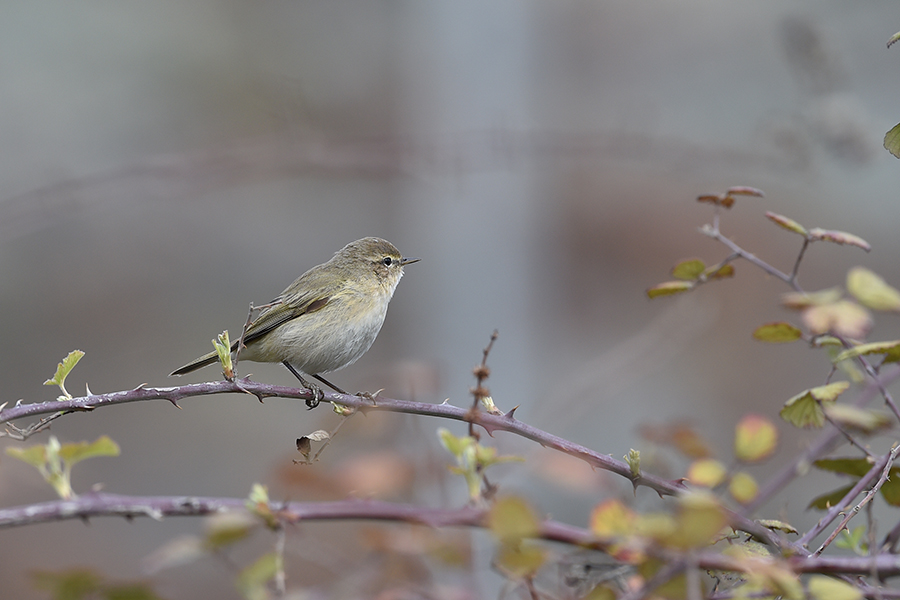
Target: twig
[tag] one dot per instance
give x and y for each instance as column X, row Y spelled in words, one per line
column 796, row 268
column 886, row 471
column 331, row 436
column 838, row 508
column 240, row 346
column 713, row 232
column 481, row 372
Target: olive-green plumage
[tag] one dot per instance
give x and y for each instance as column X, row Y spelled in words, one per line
column 329, row 316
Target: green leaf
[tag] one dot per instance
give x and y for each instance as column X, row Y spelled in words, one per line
column 252, row 580
column 789, row 224
column 854, row 540
column 891, row 351
column 826, row 501
column 892, row 137
column 454, row 445
column 688, row 270
column 63, row 369
column 75, row 583
column 890, row 491
column 77, row 452
column 35, row 456
column 856, row 467
column 722, row 272
column 871, row 290
column 805, row 410
column 777, row 333
column 890, row 43
column 633, row 458
column 222, row 344
column 668, row 288
column 776, row 525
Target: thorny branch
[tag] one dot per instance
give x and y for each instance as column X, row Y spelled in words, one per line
column 886, row 470
column 97, row 504
column 489, row 422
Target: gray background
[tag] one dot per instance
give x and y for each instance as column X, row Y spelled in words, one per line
column 164, row 164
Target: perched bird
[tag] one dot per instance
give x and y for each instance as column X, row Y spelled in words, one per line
column 327, row 318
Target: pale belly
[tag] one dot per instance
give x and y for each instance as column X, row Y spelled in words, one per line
column 317, row 345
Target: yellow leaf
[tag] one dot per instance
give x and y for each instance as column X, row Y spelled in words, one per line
column 891, row 351
column 521, row 560
column 862, row 419
column 892, row 137
column 700, row 518
column 755, row 438
column 871, row 290
column 829, row 392
column 827, row 588
column 720, row 273
column 789, row 224
column 688, row 270
column 611, row 519
column 776, row 525
column 668, row 288
column 743, row 487
column 777, row 333
column 707, row 472
column 512, row 519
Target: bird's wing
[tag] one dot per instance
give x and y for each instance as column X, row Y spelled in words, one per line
column 315, row 295
column 280, row 314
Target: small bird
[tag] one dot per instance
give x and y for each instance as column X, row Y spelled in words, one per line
column 327, row 318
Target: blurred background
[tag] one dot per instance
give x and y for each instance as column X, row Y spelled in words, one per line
column 165, row 164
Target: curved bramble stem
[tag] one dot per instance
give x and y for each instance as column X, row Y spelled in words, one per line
column 489, row 422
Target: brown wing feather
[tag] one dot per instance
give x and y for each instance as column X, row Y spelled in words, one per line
column 274, row 318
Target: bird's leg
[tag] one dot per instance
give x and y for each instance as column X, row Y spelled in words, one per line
column 331, row 385
column 317, row 392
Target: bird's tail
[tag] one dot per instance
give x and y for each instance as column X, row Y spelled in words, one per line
column 197, row 363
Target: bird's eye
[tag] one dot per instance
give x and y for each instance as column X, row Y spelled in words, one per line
column 387, row 261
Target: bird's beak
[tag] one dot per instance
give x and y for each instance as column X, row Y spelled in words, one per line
column 408, row 261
